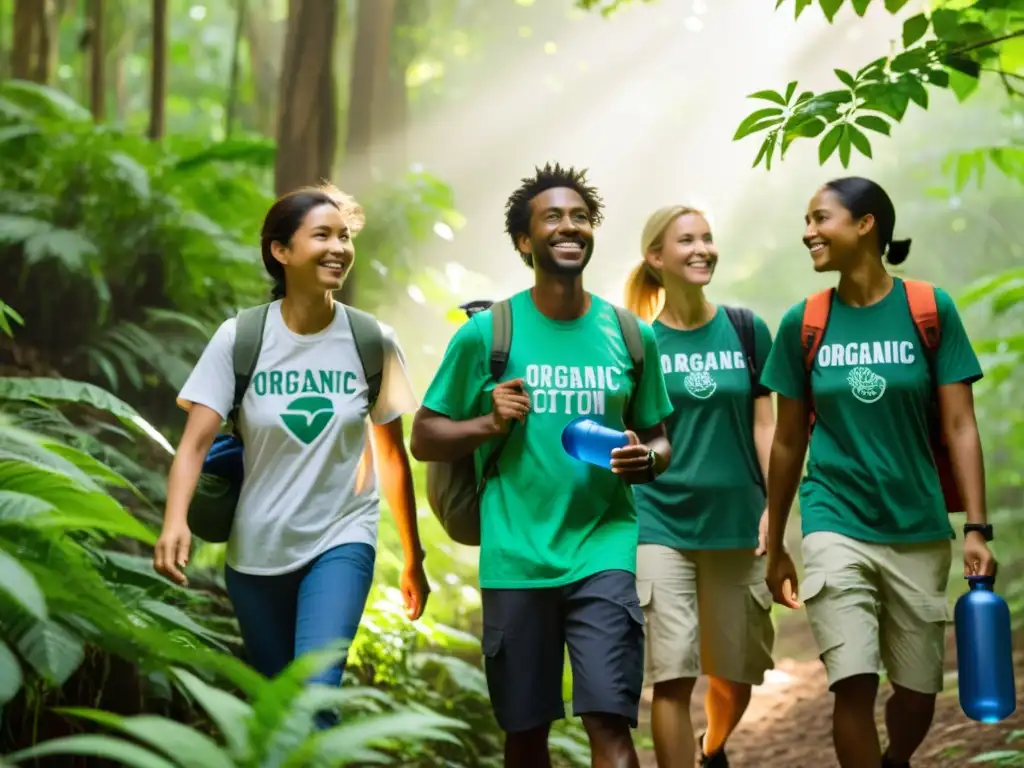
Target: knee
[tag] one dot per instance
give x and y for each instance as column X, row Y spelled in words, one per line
column 524, row 746
column 912, row 702
column 609, row 734
column 857, row 691
column 679, row 690
column 737, row 694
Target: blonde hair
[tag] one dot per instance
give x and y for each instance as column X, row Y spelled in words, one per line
column 350, row 208
column 644, row 294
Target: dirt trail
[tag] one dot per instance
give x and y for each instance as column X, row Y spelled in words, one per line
column 789, row 722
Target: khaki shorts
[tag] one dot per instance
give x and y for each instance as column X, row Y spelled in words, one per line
column 874, row 604
column 706, row 611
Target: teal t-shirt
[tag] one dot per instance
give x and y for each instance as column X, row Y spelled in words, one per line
column 547, row 519
column 870, row 472
column 710, row 497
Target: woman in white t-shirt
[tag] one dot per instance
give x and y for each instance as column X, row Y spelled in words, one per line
column 303, row 543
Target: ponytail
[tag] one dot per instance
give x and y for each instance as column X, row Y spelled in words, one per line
column 644, row 296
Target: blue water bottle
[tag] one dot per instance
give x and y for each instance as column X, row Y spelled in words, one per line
column 984, row 653
column 588, row 441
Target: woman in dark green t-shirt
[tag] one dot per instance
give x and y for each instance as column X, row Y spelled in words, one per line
column 700, row 574
column 876, row 546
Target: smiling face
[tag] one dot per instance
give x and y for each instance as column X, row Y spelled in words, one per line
column 833, row 235
column 561, row 237
column 687, row 252
column 320, row 253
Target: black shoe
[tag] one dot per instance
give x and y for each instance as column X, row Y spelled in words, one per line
column 717, row 760
column 887, row 763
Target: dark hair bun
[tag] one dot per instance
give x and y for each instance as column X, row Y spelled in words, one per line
column 898, row 251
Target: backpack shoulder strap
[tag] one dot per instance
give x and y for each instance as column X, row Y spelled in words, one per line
column 249, row 326
column 925, row 312
column 812, row 330
column 742, row 320
column 629, row 324
column 369, row 340
column 501, row 337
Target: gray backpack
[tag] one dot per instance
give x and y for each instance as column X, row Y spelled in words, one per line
column 212, row 511
column 453, row 488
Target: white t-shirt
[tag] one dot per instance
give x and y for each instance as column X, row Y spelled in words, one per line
column 303, row 420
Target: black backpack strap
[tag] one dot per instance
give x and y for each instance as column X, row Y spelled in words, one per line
column 369, row 341
column 742, row 320
column 629, row 325
column 250, row 324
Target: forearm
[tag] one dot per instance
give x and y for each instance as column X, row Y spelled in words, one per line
column 438, row 438
column 969, row 470
column 400, row 494
column 182, row 481
column 784, row 470
column 763, row 436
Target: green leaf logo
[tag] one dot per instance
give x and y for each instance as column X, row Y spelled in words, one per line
column 307, row 417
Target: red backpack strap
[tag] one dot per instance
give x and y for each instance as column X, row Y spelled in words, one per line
column 812, row 330
column 921, row 299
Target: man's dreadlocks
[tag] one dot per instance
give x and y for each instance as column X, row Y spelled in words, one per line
column 517, row 209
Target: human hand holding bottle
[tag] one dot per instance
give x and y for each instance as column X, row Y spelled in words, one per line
column 511, row 403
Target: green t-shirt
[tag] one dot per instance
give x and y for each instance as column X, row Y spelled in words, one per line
column 870, row 471
column 710, row 497
column 547, row 519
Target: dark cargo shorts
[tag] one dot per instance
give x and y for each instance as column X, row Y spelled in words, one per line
column 525, row 635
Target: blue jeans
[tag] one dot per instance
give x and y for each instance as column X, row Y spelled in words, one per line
column 284, row 616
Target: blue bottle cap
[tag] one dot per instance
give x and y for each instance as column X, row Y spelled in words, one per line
column 981, row 579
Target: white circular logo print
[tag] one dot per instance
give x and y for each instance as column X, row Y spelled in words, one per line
column 700, row 384
column 866, row 385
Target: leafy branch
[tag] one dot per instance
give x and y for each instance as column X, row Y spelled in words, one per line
column 879, row 94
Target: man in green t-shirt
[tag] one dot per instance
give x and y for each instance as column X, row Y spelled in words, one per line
column 558, row 536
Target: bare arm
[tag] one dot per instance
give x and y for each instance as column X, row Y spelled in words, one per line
column 435, row 437
column 201, row 428
column 764, row 431
column 396, row 483
column 960, row 428
column 656, row 439
column 785, row 466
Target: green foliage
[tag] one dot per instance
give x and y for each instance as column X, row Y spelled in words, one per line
column 985, row 35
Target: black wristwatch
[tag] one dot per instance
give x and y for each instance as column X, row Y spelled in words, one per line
column 652, row 460
column 985, row 529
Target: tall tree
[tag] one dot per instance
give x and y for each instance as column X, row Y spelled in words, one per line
column 307, row 103
column 33, row 54
column 97, row 52
column 158, row 73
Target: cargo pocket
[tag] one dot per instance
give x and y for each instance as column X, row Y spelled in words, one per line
column 492, row 641
column 633, row 661
column 812, row 594
column 761, row 595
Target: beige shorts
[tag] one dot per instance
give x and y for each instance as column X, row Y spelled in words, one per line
column 871, row 605
column 706, row 611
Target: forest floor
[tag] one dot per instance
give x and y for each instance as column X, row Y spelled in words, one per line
column 789, row 722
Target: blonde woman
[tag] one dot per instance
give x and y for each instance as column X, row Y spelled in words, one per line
column 700, row 574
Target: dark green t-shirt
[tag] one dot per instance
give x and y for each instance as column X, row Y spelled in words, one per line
column 547, row 519
column 710, row 496
column 870, row 471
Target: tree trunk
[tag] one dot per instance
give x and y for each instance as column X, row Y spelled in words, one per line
column 369, row 73
column 158, row 73
column 232, row 107
column 265, row 55
column 34, row 53
column 307, row 104
column 97, row 53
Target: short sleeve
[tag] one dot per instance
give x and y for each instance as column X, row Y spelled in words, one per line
column 212, row 381
column 651, row 404
column 955, row 362
column 762, row 348
column 784, row 369
column 461, row 376
column 396, row 393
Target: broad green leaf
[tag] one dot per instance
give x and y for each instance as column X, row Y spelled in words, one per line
column 178, row 618
column 846, row 78
column 830, row 8
column 772, row 96
column 19, row 584
column 915, row 91
column 230, row 714
column 758, row 120
column 946, row 24
column 92, row 467
column 914, row 29
column 10, row 674
column 894, row 6
column 844, row 146
column 107, row 747
column 873, row 123
column 859, row 140
column 829, row 143
column 184, row 745
column 350, row 738
column 51, row 650
column 25, row 510
column 962, row 85
column 801, row 6
column 1011, row 55
column 861, row 6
